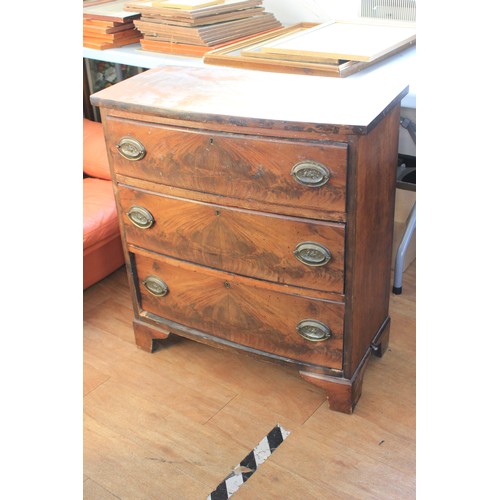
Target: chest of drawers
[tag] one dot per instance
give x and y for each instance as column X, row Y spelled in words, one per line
column 254, row 221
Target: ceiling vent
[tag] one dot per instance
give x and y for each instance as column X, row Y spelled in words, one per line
column 389, row 10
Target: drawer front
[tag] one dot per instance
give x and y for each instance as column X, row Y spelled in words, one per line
column 241, row 310
column 286, row 250
column 295, row 174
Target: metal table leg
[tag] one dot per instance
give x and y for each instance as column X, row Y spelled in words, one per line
column 411, row 223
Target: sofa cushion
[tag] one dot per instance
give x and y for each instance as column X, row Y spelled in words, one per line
column 100, row 219
column 95, row 158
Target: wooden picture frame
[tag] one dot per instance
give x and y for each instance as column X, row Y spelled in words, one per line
column 238, row 55
column 341, row 40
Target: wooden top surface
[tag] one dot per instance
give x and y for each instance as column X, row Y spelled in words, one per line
column 220, row 94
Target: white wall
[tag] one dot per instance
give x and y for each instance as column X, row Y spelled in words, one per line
column 296, row 11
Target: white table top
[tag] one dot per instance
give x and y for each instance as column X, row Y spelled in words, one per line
column 216, row 91
column 134, row 55
column 399, row 69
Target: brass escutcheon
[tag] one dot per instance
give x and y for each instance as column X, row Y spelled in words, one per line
column 140, row 217
column 313, row 330
column 156, row 286
column 131, row 149
column 310, row 173
column 312, row 254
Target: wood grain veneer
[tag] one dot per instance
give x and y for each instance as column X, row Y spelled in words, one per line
column 228, row 201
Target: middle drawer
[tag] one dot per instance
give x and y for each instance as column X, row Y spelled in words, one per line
column 281, row 249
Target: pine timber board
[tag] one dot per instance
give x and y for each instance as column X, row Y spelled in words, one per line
column 91, row 28
column 120, row 35
column 105, row 23
column 343, row 40
column 182, row 48
column 111, row 11
column 147, row 8
column 174, row 48
column 90, row 3
column 205, row 21
column 292, row 57
column 212, row 34
column 186, row 4
column 101, row 43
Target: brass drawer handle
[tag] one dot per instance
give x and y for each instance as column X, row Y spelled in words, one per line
column 313, row 330
column 155, row 286
column 140, row 217
column 310, row 173
column 131, row 148
column 312, row 254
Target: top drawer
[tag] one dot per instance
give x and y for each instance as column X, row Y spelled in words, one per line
column 296, row 174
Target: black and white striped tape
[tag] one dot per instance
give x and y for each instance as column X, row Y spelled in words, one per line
column 244, row 470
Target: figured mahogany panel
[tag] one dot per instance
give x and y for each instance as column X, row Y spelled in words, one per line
column 241, row 310
column 248, row 243
column 238, row 167
column 369, row 237
column 225, row 176
column 145, row 336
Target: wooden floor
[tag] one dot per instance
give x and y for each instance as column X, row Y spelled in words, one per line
column 173, row 424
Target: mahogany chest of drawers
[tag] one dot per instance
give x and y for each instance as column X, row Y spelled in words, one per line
column 256, row 215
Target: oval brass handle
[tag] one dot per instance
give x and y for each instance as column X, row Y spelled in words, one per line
column 155, row 286
column 313, row 330
column 310, row 173
column 131, row 149
column 140, row 217
column 312, row 254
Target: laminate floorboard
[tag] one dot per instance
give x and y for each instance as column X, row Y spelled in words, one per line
column 173, row 424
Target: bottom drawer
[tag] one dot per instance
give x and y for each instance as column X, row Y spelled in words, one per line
column 242, row 310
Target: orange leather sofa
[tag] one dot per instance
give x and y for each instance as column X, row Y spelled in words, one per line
column 102, row 247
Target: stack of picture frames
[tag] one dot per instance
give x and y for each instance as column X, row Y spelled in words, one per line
column 333, row 48
column 194, row 27
column 107, row 25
